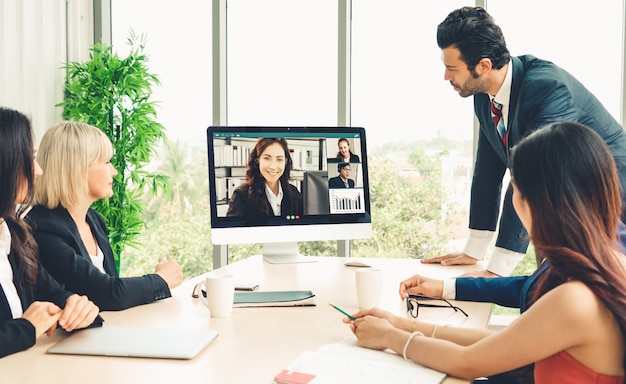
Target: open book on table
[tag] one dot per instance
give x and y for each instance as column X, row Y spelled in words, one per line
column 346, row 362
column 274, row 299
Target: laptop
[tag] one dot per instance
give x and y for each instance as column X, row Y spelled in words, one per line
column 136, row 342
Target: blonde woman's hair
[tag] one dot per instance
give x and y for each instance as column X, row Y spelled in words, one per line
column 66, row 151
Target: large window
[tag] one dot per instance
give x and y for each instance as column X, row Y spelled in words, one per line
column 178, row 45
column 398, row 91
column 418, row 124
column 282, row 69
column 282, row 62
column 584, row 38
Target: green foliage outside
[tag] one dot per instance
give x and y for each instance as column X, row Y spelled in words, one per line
column 178, row 220
column 113, row 93
column 173, row 234
column 407, row 219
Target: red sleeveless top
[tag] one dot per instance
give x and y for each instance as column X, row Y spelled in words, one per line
column 562, row 368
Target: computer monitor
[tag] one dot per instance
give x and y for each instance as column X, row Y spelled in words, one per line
column 317, row 204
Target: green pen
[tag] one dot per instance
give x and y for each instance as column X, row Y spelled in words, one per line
column 342, row 311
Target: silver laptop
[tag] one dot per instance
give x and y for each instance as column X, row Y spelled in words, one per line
column 136, row 342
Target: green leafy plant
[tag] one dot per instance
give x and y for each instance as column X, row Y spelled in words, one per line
column 113, row 93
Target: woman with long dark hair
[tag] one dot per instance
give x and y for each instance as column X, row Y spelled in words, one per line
column 567, row 194
column 33, row 302
column 267, row 192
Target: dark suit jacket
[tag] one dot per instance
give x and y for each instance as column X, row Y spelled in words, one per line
column 337, row 182
column 19, row 334
column 541, row 93
column 241, row 205
column 63, row 254
column 512, row 291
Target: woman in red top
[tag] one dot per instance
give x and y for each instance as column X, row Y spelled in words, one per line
column 567, row 194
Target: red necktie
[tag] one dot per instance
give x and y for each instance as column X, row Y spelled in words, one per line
column 496, row 113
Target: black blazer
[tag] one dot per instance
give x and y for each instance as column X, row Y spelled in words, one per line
column 240, row 204
column 63, row 254
column 541, row 93
column 353, row 158
column 337, row 182
column 19, row 334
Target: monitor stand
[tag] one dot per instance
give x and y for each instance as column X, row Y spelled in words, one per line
column 284, row 253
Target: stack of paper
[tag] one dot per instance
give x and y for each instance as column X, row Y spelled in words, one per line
column 346, row 362
column 274, row 299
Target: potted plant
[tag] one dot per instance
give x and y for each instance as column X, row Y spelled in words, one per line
column 113, row 93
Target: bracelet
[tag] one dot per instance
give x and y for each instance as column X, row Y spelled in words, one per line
column 411, row 336
column 434, row 331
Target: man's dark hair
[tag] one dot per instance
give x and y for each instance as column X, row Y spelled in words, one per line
column 341, row 166
column 476, row 35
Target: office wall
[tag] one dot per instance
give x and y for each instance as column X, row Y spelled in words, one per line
column 36, row 38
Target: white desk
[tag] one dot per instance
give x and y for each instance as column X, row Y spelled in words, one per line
column 255, row 343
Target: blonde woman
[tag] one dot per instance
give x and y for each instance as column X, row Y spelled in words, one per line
column 72, row 237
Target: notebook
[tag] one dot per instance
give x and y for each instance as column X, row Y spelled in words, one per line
column 346, row 362
column 136, row 342
column 274, row 299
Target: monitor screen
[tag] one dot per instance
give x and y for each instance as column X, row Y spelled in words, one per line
column 281, row 185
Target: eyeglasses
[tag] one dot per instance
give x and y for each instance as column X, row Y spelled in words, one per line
column 413, row 305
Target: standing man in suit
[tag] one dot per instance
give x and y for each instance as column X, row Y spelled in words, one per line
column 343, row 180
column 513, row 96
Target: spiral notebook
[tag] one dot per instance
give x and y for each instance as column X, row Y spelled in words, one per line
column 136, row 342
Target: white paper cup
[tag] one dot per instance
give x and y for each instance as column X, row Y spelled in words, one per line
column 369, row 286
column 220, row 294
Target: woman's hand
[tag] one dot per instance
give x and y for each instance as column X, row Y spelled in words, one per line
column 371, row 331
column 43, row 316
column 375, row 312
column 171, row 272
column 79, row 312
column 421, row 285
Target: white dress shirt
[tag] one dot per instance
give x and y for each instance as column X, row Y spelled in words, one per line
column 98, row 259
column 6, row 272
column 275, row 200
column 502, row 261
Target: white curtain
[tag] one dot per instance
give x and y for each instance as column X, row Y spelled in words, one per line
column 36, row 38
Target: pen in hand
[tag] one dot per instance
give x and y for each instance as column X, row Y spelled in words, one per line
column 342, row 311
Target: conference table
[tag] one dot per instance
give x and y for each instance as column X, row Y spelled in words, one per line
column 254, row 344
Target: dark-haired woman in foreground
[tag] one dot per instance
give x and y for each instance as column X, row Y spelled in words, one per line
column 567, row 194
column 33, row 303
